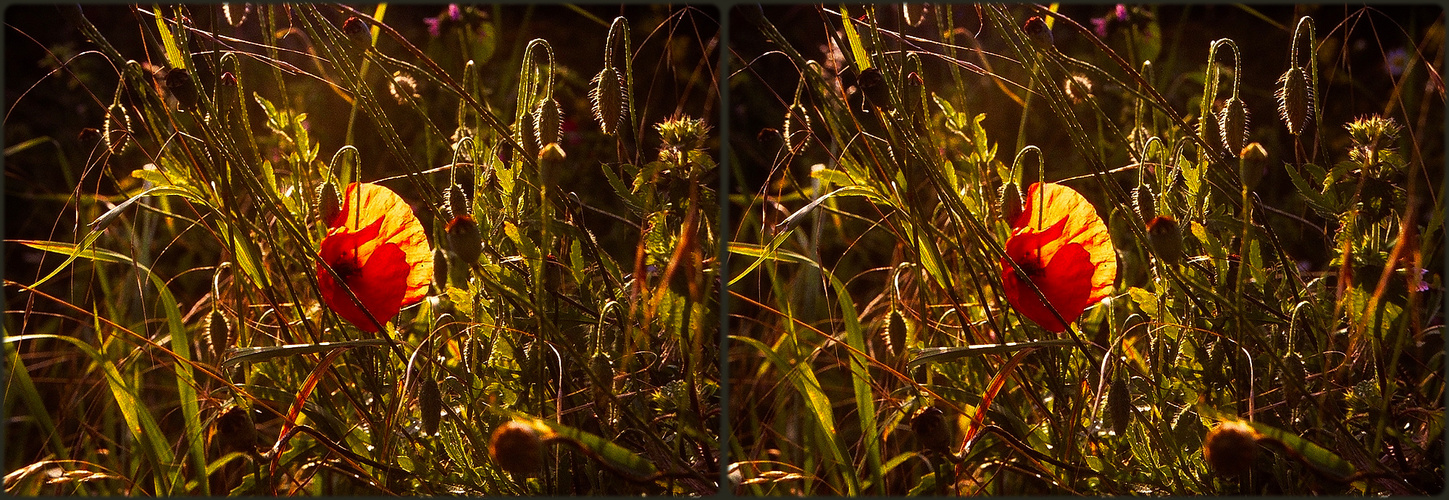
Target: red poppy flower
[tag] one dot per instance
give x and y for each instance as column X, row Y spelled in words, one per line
column 377, row 248
column 1061, row 244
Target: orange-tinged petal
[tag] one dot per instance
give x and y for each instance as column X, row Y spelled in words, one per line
column 1066, row 251
column 364, row 203
column 379, row 251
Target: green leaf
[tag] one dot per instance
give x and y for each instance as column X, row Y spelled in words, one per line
column 1312, row 453
column 173, row 51
column 857, row 49
column 255, row 354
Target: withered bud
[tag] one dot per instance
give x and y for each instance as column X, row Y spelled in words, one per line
column 517, row 448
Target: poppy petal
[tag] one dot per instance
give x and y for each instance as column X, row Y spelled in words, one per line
column 364, row 203
column 1067, row 253
column 378, row 250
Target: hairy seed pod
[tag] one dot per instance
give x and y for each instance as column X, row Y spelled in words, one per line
column 430, row 405
column 1293, row 370
column 180, row 85
column 1037, row 31
column 219, row 332
column 465, row 239
column 1166, row 238
column 458, row 202
column 896, row 333
column 1009, row 200
column 517, row 448
column 403, row 88
column 1295, row 98
column 440, row 268
column 915, row 13
column 1233, row 120
column 546, row 122
column 929, row 424
column 235, row 14
column 1145, row 202
column 329, row 204
column 1119, row 405
column 607, row 96
column 1230, row 448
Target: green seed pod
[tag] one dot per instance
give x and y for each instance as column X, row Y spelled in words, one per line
column 1119, row 404
column 440, row 268
column 896, row 333
column 329, row 203
column 1009, row 199
column 790, row 129
column 117, row 131
column 219, row 332
column 465, row 239
column 1233, row 119
column 607, row 95
column 1295, row 98
column 517, row 448
column 1145, row 202
column 1166, row 238
column 430, row 405
column 547, row 123
column 458, row 202
column 1230, row 448
column 180, row 85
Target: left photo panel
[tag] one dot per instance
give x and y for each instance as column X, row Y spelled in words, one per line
column 307, row 249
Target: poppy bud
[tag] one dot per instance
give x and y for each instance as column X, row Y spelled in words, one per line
column 1119, row 404
column 873, row 85
column 608, row 100
column 1230, row 448
column 528, row 138
column 116, row 133
column 1143, row 198
column 458, row 202
column 552, row 153
column 180, row 85
column 233, row 430
column 1009, row 198
column 896, row 333
column 1163, row 233
column 88, row 134
column 440, row 268
column 547, row 124
column 1038, row 32
column 1233, row 123
column 329, row 204
column 403, row 87
column 929, row 424
column 1295, row 97
column 356, row 31
column 516, row 448
column 430, row 405
column 466, row 240
column 219, row 333
column 235, row 14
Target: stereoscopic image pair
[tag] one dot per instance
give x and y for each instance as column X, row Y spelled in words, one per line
column 724, row 249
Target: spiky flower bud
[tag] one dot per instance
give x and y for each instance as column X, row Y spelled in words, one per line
column 357, row 33
column 1145, row 202
column 607, row 96
column 233, row 430
column 458, row 202
column 528, row 138
column 465, row 239
column 1295, row 100
column 791, row 129
column 1231, row 447
column 403, row 87
column 1233, row 120
column 329, row 203
column 218, row 332
column 896, row 333
column 430, row 405
column 116, row 133
column 1166, row 238
column 1009, row 200
column 547, row 124
column 235, row 14
column 517, row 448
column 1119, row 405
column 873, row 85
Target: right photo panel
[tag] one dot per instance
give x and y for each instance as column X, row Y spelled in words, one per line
column 1086, row 249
